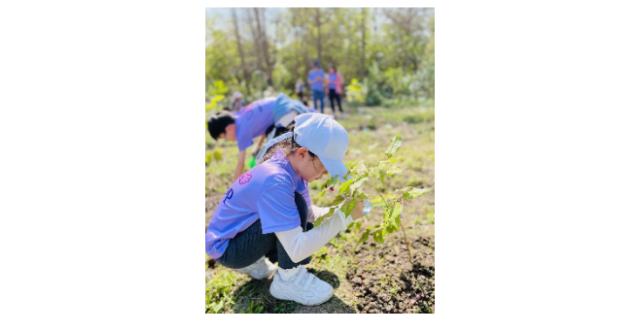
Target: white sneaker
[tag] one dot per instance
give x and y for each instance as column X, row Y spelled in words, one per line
column 303, row 288
column 260, row 269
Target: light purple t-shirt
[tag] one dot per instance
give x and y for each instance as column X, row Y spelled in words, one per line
column 332, row 77
column 317, row 86
column 265, row 192
column 252, row 121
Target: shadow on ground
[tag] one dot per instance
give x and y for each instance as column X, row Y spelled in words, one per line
column 254, row 297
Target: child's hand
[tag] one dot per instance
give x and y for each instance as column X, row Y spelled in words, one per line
column 358, row 212
column 254, row 151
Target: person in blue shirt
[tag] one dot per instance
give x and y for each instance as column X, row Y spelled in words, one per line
column 316, row 79
column 264, row 212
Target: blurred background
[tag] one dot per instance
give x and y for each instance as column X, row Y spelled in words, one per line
column 385, row 55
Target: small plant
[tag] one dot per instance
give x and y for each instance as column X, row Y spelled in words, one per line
column 218, row 291
column 254, row 308
column 392, row 201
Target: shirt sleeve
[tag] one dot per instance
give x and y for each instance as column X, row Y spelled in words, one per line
column 309, row 77
column 244, row 144
column 277, row 207
column 244, row 138
column 300, row 245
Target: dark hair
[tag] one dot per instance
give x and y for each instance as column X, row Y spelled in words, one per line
column 332, row 66
column 288, row 146
column 217, row 123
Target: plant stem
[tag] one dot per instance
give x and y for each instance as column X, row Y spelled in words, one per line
column 406, row 242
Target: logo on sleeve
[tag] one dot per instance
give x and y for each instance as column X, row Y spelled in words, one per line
column 245, row 178
column 228, row 195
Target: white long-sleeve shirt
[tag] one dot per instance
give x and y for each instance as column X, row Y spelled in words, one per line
column 299, row 245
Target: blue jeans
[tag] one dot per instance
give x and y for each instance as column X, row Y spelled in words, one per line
column 318, row 95
column 251, row 244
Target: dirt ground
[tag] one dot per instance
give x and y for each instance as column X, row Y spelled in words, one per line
column 397, row 285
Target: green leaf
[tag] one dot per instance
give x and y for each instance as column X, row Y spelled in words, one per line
column 217, row 307
column 319, row 220
column 393, row 170
column 393, row 147
column 345, row 186
column 217, row 154
column 386, row 213
column 363, row 196
column 356, row 225
column 415, row 192
column 338, row 200
column 349, row 207
column 378, row 237
column 359, row 169
column 363, row 238
column 358, row 183
column 397, row 209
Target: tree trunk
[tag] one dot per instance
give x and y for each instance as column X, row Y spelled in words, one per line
column 245, row 71
column 319, row 38
column 264, row 43
column 362, row 53
column 256, row 41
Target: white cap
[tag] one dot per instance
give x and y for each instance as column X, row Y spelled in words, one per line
column 326, row 138
column 237, row 95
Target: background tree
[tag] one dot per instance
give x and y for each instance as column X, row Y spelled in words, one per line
column 388, row 53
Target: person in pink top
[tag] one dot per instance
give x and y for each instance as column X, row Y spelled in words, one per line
column 334, row 85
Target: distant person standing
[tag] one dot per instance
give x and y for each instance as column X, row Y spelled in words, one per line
column 300, row 89
column 237, row 103
column 316, row 80
column 334, row 84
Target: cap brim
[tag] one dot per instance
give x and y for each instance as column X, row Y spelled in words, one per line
column 334, row 168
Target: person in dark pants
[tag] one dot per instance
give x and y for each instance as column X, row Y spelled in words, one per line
column 334, row 85
column 316, row 80
column 265, row 211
